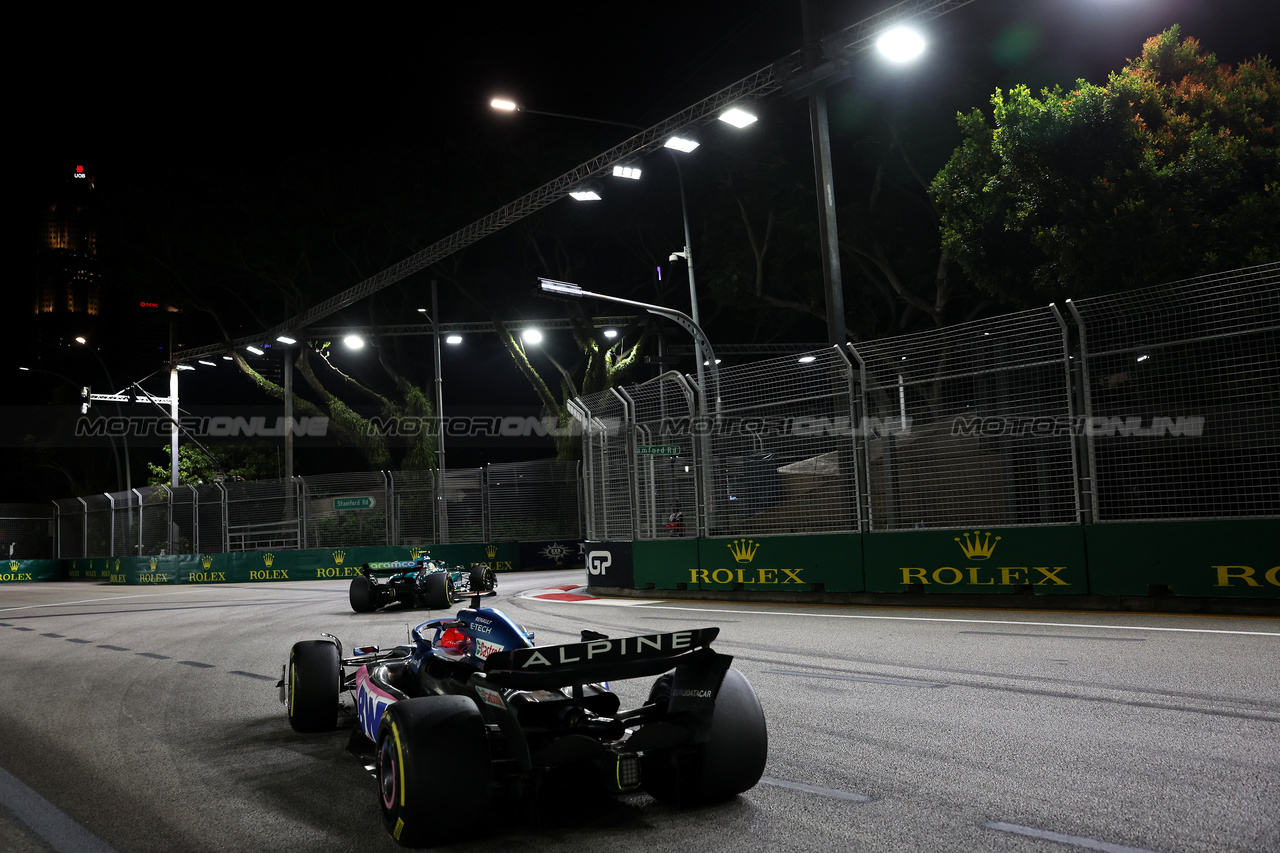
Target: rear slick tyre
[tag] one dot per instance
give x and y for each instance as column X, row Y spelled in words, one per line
column 423, row 744
column 361, row 595
column 730, row 762
column 437, row 591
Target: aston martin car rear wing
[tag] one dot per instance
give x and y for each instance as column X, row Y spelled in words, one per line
column 393, row 567
column 602, row 659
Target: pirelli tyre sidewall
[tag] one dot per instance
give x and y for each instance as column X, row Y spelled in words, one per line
column 437, row 591
column 482, row 579
column 425, row 744
column 730, row 762
column 363, row 595
column 314, row 684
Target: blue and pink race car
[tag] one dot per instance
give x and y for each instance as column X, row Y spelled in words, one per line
column 471, row 697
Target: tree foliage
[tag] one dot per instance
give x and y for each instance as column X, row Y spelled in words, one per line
column 1169, row 170
column 196, row 468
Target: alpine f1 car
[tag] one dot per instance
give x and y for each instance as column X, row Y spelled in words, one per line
column 421, row 582
column 472, row 698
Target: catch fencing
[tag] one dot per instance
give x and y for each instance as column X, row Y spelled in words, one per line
column 1160, row 403
column 522, row 500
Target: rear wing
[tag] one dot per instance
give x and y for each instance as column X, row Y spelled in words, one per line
column 603, row 659
column 394, row 567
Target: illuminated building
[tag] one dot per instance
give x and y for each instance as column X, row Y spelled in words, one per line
column 69, row 281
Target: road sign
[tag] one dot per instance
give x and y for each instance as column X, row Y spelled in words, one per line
column 353, row 503
column 658, row 449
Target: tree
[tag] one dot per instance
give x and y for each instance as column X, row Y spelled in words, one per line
column 1169, row 170
column 196, row 468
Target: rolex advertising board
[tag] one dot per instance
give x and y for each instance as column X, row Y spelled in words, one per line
column 1236, row 558
column 830, row 562
column 18, row 571
column 303, row 565
column 1042, row 560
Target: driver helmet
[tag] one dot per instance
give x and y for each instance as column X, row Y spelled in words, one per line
column 452, row 640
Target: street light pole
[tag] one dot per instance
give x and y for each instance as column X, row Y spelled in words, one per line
column 573, row 291
column 124, row 438
column 693, row 287
column 442, row 507
column 828, row 232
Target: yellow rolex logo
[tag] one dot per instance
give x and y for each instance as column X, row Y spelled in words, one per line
column 415, row 553
column 206, row 561
column 268, row 559
column 978, row 549
column 743, row 550
column 117, row 565
column 13, row 565
column 492, row 551
column 153, row 562
column 339, row 556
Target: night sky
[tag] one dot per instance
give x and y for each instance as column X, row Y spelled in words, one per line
column 150, row 103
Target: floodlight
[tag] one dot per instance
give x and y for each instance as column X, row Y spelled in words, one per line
column 737, row 117
column 900, row 44
column 560, row 288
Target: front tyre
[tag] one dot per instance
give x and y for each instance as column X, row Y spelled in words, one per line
column 731, row 761
column 482, row 579
column 314, row 684
column 424, row 744
column 363, row 596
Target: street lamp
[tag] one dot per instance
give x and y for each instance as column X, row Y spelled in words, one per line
column 900, row 44
column 573, row 291
column 737, row 116
column 124, row 438
column 442, row 510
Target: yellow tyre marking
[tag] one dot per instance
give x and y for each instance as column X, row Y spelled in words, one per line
column 395, row 733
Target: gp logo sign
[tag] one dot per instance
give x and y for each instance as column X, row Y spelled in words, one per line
column 598, row 562
column 609, row 564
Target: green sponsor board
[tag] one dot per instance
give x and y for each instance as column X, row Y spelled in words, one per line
column 20, row 571
column 1236, row 558
column 978, row 559
column 829, row 561
column 663, row 563
column 88, row 568
column 302, row 565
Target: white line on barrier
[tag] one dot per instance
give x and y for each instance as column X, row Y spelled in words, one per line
column 1109, row 627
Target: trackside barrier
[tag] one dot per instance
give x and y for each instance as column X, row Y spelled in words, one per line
column 18, row 571
column 1230, row 558
column 308, row 564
